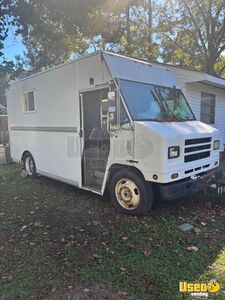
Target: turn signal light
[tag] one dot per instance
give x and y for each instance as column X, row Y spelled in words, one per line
column 174, row 176
column 155, row 176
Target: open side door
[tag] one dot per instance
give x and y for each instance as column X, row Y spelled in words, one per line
column 95, row 138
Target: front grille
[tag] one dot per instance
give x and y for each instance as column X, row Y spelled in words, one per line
column 196, row 149
column 198, row 141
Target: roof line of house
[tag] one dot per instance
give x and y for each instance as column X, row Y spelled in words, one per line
column 187, row 68
column 166, row 64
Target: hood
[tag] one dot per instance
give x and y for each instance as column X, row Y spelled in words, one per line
column 187, row 129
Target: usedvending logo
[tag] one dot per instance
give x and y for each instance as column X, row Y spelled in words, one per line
column 199, row 289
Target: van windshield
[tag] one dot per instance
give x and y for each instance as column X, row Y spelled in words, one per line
column 148, row 102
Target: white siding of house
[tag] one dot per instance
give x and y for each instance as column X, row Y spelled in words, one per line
column 186, row 76
column 192, row 91
column 193, row 95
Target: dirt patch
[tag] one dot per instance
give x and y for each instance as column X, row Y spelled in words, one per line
column 95, row 292
column 79, row 216
column 80, row 213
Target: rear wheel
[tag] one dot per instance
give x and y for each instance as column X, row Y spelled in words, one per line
column 29, row 165
column 130, row 193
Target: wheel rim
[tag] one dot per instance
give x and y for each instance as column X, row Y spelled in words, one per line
column 127, row 194
column 29, row 166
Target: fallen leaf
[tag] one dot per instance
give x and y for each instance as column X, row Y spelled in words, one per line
column 192, row 248
column 97, row 256
column 7, row 278
column 123, row 269
column 196, row 230
column 131, row 246
column 38, row 224
column 24, row 227
column 124, row 238
column 122, row 293
column 146, row 253
column 206, row 235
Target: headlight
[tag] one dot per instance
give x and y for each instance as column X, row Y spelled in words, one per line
column 216, row 145
column 173, row 152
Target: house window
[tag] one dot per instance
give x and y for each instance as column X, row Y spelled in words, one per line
column 29, row 104
column 208, row 108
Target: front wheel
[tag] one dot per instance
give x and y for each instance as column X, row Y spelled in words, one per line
column 130, row 193
column 29, row 165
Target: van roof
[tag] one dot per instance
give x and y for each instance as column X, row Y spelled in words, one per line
column 122, row 67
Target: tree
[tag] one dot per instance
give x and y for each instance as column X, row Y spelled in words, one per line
column 51, row 30
column 193, row 33
column 183, row 32
column 10, row 70
column 124, row 27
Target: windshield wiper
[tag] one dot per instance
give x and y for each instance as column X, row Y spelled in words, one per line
column 171, row 117
column 160, row 105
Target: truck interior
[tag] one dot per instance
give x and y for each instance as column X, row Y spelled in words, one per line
column 96, row 140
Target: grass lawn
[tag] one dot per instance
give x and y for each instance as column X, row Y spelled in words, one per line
column 58, row 242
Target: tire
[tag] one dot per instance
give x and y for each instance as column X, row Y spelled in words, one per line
column 29, row 165
column 130, row 193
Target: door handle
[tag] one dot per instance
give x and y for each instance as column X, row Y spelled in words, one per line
column 81, row 133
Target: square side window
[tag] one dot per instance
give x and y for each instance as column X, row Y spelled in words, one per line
column 29, row 102
column 208, row 108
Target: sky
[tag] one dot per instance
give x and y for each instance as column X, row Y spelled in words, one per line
column 13, row 46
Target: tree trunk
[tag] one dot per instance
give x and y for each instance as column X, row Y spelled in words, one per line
column 210, row 64
column 128, row 45
column 149, row 29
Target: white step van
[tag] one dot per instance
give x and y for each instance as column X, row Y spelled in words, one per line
column 106, row 120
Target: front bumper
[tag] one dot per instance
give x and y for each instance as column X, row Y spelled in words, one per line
column 182, row 188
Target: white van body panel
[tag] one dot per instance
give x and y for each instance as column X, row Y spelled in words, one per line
column 137, row 70
column 51, row 133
